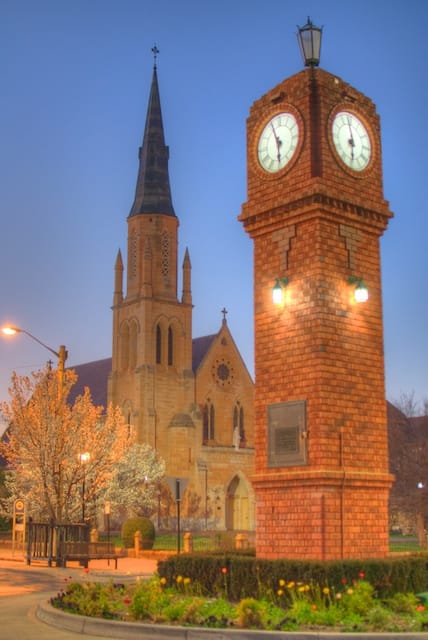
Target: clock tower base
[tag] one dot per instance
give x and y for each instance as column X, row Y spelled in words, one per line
column 322, row 516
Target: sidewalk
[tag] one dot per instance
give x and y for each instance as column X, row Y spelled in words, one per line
column 143, row 566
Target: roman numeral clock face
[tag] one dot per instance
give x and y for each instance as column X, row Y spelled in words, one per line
column 278, row 142
column 351, row 140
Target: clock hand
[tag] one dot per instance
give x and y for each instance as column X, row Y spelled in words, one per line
column 351, row 141
column 278, row 144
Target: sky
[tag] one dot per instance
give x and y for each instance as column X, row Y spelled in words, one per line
column 75, row 78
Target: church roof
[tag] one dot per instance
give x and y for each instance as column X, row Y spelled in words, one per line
column 153, row 192
column 95, row 374
column 200, row 347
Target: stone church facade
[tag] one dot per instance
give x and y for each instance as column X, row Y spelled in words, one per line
column 190, row 399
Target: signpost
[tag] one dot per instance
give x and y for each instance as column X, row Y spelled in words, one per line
column 177, row 486
column 107, row 507
column 18, row 525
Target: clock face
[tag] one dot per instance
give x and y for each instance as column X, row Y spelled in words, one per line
column 351, row 140
column 278, row 142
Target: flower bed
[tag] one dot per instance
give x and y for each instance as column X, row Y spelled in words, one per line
column 355, row 606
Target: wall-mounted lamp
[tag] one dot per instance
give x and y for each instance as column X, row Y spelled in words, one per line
column 278, row 290
column 361, row 293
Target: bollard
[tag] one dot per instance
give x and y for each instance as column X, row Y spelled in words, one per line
column 137, row 543
column 241, row 541
column 188, row 542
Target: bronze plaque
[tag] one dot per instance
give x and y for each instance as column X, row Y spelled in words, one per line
column 287, row 434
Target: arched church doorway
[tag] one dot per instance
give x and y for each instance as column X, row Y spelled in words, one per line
column 237, row 505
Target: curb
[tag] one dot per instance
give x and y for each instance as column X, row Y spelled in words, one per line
column 137, row 631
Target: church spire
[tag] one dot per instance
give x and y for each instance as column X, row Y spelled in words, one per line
column 153, row 192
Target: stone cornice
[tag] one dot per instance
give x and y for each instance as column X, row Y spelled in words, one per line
column 315, row 204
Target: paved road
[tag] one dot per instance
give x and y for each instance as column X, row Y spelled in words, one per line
column 18, row 620
column 16, row 578
column 23, row 587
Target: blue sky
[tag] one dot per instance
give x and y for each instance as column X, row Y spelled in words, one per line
column 75, row 82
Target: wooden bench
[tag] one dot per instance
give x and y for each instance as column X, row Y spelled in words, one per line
column 86, row 551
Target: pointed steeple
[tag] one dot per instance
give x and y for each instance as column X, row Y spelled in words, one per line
column 118, row 279
column 153, row 192
column 186, row 297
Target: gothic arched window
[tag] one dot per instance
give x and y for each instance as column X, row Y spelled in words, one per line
column 208, row 422
column 124, row 347
column 133, row 346
column 133, row 249
column 165, row 243
column 170, row 346
column 158, row 344
column 238, row 436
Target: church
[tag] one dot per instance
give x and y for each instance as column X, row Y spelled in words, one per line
column 191, row 399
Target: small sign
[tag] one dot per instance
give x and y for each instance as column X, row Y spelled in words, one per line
column 19, row 506
column 177, row 486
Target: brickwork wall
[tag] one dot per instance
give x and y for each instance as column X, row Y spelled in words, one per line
column 318, row 225
column 325, row 516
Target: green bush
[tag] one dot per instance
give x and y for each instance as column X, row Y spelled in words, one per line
column 250, row 613
column 146, row 528
column 246, row 577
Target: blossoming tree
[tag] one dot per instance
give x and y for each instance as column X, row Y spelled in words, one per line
column 59, row 454
column 135, row 486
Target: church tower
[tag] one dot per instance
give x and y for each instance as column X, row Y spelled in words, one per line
column 316, row 211
column 191, row 399
column 151, row 378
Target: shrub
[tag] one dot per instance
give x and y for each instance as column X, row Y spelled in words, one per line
column 252, row 577
column 359, row 598
column 146, row 528
column 250, row 614
column 148, row 601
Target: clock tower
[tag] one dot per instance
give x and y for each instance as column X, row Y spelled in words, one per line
column 315, row 210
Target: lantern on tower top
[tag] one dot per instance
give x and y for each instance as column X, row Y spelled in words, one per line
column 309, row 38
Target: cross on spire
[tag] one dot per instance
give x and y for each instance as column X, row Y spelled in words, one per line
column 224, row 312
column 155, row 52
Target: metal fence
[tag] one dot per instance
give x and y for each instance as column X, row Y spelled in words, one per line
column 44, row 539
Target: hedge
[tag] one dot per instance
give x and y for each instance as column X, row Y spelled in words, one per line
column 242, row 576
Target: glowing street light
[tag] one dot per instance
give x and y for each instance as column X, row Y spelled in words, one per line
column 61, row 354
column 84, row 458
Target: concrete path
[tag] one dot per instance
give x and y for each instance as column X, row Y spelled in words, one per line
column 23, row 587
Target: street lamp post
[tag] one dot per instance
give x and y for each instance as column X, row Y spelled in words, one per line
column 84, row 458
column 107, row 508
column 420, row 517
column 61, row 354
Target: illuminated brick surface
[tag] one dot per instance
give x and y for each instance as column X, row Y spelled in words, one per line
column 318, row 224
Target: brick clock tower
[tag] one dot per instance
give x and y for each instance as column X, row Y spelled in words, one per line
column 316, row 212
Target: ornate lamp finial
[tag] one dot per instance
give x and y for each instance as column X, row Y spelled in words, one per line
column 309, row 38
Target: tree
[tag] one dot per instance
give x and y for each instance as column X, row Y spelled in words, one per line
column 407, row 404
column 408, row 455
column 134, row 487
column 46, row 438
